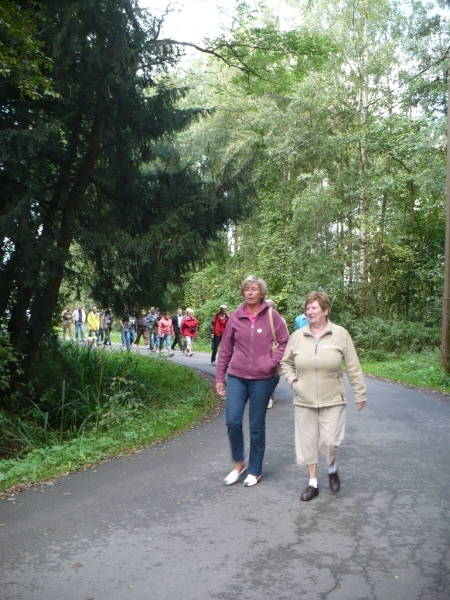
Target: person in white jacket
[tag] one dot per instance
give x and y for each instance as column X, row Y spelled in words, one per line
column 312, row 365
column 79, row 318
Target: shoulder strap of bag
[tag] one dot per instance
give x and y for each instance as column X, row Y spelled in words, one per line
column 271, row 325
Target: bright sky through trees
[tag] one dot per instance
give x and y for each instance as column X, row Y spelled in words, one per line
column 191, row 20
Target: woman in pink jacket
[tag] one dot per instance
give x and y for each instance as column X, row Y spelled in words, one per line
column 189, row 329
column 246, row 353
column 165, row 333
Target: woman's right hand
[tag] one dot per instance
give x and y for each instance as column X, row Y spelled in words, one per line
column 294, row 384
column 220, row 389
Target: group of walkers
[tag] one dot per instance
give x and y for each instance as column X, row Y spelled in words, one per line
column 158, row 331
column 99, row 324
column 255, row 344
column 255, row 349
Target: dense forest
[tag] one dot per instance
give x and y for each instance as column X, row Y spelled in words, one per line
column 345, row 147
column 310, row 151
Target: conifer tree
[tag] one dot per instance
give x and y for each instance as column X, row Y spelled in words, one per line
column 72, row 167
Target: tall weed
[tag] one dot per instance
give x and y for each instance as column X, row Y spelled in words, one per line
column 91, row 391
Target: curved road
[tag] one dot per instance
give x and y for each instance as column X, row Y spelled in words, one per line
column 158, row 525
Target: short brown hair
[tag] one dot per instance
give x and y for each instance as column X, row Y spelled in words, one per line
column 322, row 299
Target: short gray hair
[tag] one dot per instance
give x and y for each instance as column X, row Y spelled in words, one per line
column 253, row 279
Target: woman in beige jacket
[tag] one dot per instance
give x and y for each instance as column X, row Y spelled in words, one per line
column 312, row 365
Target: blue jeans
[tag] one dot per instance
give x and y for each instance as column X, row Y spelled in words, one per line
column 128, row 335
column 162, row 339
column 258, row 392
column 154, row 341
column 79, row 329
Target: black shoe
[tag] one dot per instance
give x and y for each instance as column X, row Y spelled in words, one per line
column 213, row 363
column 335, row 482
column 310, row 493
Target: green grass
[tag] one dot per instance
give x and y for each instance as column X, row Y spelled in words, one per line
column 140, row 400
column 419, row 370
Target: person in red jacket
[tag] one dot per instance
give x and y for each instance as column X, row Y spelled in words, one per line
column 219, row 323
column 189, row 329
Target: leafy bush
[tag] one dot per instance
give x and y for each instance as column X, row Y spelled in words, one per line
column 375, row 337
column 9, row 360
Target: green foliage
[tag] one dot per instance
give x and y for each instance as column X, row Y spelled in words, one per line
column 9, row 361
column 265, row 58
column 92, row 188
column 375, row 337
column 347, row 166
column 85, row 381
column 22, row 59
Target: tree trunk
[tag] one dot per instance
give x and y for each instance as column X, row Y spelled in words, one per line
column 46, row 297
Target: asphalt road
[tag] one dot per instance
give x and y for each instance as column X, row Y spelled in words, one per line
column 159, row 525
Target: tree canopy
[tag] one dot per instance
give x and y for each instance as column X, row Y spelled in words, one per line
column 92, row 168
column 348, row 163
column 311, row 153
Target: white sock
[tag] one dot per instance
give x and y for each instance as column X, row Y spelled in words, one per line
column 313, row 482
column 332, row 468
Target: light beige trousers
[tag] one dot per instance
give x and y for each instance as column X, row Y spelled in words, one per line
column 318, row 429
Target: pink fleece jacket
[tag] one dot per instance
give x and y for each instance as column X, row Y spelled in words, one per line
column 246, row 348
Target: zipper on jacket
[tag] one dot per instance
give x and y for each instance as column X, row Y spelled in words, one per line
column 252, row 327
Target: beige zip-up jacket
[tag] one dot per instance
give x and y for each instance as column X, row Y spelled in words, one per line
column 317, row 365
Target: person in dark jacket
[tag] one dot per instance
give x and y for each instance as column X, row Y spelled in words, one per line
column 107, row 325
column 176, row 323
column 142, row 328
column 128, row 323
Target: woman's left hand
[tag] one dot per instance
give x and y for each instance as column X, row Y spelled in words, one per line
column 360, row 405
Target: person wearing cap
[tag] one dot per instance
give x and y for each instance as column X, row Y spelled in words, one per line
column 218, row 325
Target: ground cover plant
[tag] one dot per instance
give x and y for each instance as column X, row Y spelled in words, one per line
column 416, row 369
column 99, row 404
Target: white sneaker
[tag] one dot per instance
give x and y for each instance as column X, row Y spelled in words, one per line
column 270, row 403
column 233, row 476
column 251, row 480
